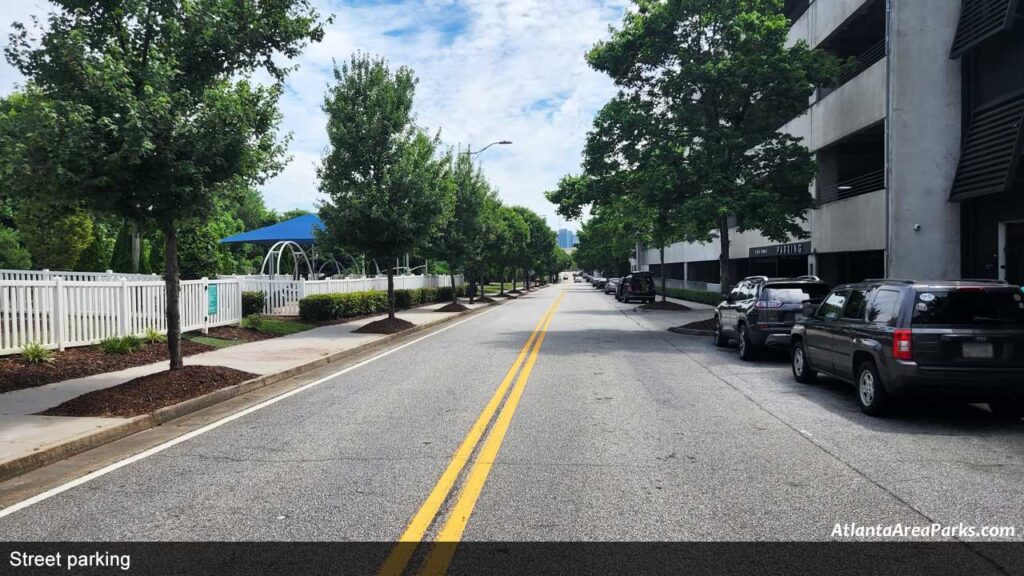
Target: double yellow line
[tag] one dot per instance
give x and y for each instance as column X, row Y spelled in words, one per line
column 440, row 556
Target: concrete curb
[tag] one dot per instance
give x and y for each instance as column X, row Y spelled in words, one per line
column 46, row 456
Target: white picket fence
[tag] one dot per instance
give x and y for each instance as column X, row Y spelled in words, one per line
column 282, row 296
column 45, row 275
column 59, row 313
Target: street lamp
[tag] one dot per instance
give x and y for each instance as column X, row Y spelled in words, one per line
column 480, row 151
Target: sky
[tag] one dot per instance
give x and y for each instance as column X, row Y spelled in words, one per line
column 488, row 70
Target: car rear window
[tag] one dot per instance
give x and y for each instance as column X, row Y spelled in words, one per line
column 795, row 293
column 643, row 284
column 969, row 307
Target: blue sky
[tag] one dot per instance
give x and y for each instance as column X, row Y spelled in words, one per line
column 488, row 69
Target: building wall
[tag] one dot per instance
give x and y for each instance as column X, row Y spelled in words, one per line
column 923, row 145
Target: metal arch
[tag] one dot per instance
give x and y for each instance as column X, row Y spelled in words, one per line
column 272, row 261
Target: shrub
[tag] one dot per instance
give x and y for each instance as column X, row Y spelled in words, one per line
column 35, row 353
column 408, row 298
column 152, row 336
column 444, row 294
column 252, row 322
column 428, row 295
column 253, row 303
column 325, row 307
column 121, row 345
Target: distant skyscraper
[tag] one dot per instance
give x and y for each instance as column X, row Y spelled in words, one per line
column 566, row 239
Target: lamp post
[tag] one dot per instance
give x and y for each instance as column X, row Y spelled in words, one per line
column 469, row 152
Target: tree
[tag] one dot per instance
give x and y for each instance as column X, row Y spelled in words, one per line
column 509, row 241
column 606, row 242
column 12, row 255
column 539, row 243
column 55, row 235
column 387, row 190
column 718, row 78
column 146, row 110
column 457, row 241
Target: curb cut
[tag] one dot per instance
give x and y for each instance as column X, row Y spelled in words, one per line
column 46, row 456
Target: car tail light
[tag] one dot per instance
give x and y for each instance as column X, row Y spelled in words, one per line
column 902, row 348
column 767, row 304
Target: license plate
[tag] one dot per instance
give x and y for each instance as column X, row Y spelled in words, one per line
column 977, row 350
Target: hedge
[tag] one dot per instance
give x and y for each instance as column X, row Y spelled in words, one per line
column 252, row 303
column 325, row 307
column 701, row 296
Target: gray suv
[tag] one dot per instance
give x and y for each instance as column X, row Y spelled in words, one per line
column 901, row 338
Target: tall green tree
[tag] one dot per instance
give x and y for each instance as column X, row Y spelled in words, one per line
column 388, row 191
column 147, row 112
column 457, row 241
column 540, row 241
column 55, row 235
column 718, row 78
column 13, row 256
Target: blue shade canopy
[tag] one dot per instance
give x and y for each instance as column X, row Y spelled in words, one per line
column 298, row 230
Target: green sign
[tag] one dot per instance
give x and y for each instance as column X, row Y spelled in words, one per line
column 211, row 297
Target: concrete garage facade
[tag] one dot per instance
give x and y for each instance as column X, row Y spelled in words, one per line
column 902, row 188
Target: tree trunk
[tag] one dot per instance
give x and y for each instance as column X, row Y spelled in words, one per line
column 136, row 248
column 472, row 285
column 172, row 288
column 391, row 292
column 502, row 291
column 723, row 259
column 661, row 255
column 455, row 296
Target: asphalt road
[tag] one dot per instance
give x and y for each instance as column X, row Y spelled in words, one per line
column 622, row 431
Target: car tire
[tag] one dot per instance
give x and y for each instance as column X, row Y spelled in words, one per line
column 1009, row 409
column 871, row 393
column 719, row 338
column 802, row 370
column 748, row 351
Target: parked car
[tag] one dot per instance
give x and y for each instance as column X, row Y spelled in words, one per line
column 577, row 279
column 611, row 285
column 760, row 312
column 636, row 286
column 900, row 338
column 599, row 282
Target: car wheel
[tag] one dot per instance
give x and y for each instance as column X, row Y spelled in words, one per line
column 1009, row 409
column 719, row 339
column 801, row 367
column 747, row 349
column 871, row 393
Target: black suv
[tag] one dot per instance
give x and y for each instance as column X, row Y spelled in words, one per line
column 900, row 338
column 636, row 286
column 760, row 311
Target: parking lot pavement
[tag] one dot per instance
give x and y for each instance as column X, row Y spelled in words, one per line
column 952, row 462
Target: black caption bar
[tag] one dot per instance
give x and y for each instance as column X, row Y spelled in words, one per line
column 719, row 559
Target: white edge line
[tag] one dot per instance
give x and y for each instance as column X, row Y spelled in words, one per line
column 198, row 431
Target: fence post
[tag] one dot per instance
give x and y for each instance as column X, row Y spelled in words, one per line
column 46, row 273
column 205, row 305
column 125, row 323
column 59, row 312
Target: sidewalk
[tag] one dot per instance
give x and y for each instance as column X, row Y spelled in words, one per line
column 22, row 434
column 665, row 319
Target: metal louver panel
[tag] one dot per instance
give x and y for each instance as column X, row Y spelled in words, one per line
column 991, row 151
column 981, row 19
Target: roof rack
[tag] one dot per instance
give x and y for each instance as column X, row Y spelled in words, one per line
column 983, row 281
column 765, row 278
column 890, row 280
column 809, row 277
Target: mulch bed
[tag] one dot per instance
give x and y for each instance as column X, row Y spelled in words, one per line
column 708, row 324
column 149, row 393
column 659, row 305
column 239, row 333
column 16, row 374
column 486, row 300
column 452, row 307
column 385, row 326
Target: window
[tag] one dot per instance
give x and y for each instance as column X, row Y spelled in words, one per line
column 832, row 308
column 885, row 307
column 999, row 307
column 794, row 293
column 855, row 305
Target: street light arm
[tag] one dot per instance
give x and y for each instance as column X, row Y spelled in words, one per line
column 482, row 150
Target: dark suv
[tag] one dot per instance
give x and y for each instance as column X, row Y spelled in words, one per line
column 900, row 338
column 760, row 312
column 636, row 286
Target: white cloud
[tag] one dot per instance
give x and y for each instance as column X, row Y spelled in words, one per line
column 488, row 69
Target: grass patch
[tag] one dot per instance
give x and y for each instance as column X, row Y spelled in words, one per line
column 280, row 327
column 214, row 342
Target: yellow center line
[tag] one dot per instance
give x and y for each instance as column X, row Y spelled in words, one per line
column 399, row 557
column 441, row 554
